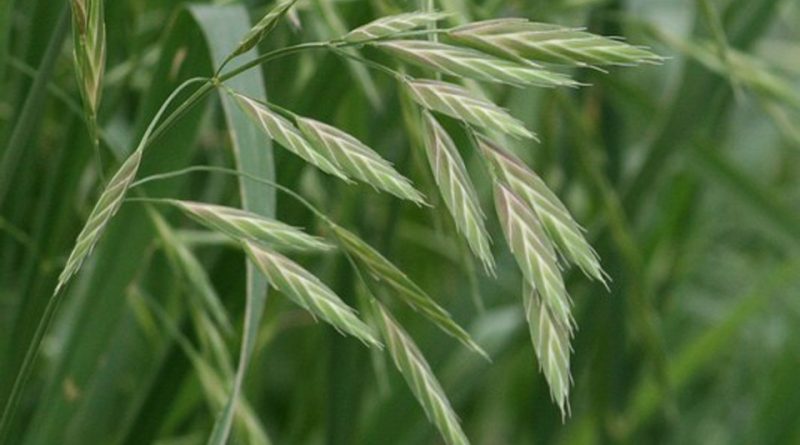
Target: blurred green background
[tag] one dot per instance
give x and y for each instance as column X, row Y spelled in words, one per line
column 685, row 176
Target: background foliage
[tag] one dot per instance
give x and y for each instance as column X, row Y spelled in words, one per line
column 684, row 174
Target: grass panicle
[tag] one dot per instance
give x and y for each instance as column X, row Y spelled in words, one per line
column 523, row 40
column 457, row 102
column 533, row 252
column 243, row 225
column 466, row 62
column 386, row 27
column 357, row 160
column 107, row 206
column 541, row 233
column 456, row 189
column 419, row 376
column 567, row 235
column 309, row 292
column 551, row 342
column 383, row 271
column 285, row 133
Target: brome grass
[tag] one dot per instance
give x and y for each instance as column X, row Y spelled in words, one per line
column 415, row 369
column 465, row 62
column 523, row 40
column 533, row 252
column 285, row 133
column 309, row 293
column 456, row 189
column 357, row 160
column 556, row 219
column 384, row 271
column 107, row 205
column 455, row 101
column 551, row 340
column 242, row 225
column 534, row 222
column 392, row 25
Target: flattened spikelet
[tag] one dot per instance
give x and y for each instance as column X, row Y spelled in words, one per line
column 467, row 62
column 309, row 292
column 520, row 39
column 243, row 225
column 533, row 252
column 457, row 102
column 357, row 160
column 551, row 341
column 385, row 272
column 456, row 189
column 419, row 377
column 391, row 25
column 107, row 205
column 556, row 219
column 283, row 132
column 263, row 27
column 89, row 48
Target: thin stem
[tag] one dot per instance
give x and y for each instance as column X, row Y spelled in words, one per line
column 399, row 35
column 289, row 114
column 166, row 201
column 282, row 52
column 331, row 44
column 228, row 171
column 286, row 112
column 272, row 55
column 370, row 64
column 153, row 133
column 223, row 65
column 430, row 6
column 94, row 135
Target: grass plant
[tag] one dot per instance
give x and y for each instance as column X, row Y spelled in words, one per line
column 152, row 226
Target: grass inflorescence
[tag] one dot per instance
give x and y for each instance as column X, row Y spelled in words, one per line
column 536, row 225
